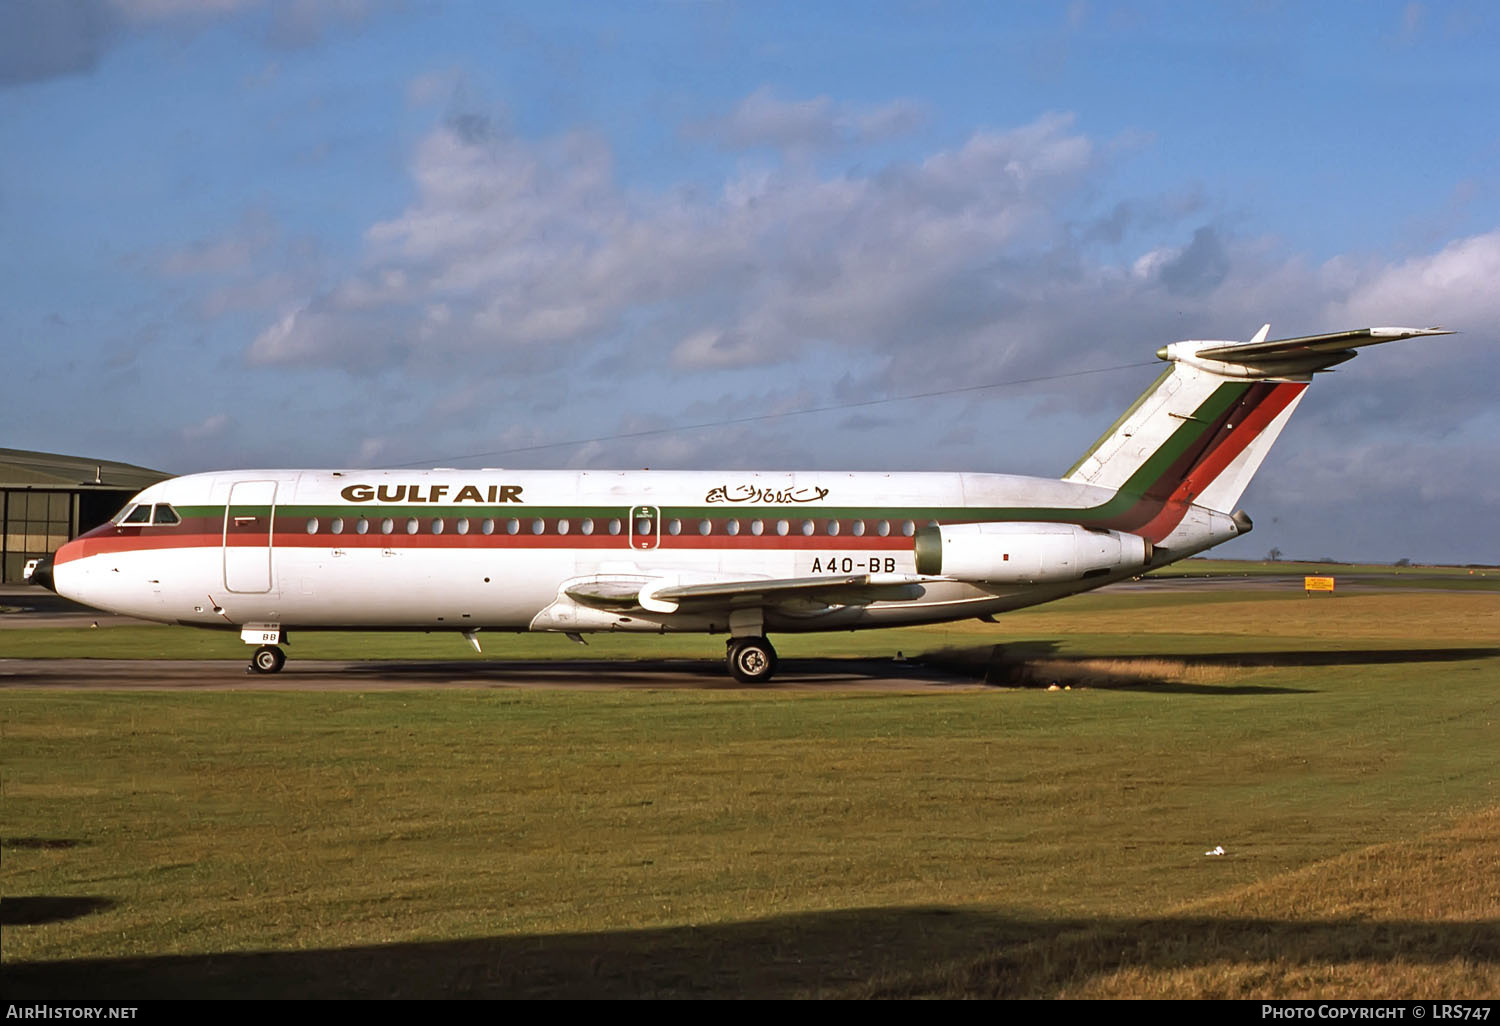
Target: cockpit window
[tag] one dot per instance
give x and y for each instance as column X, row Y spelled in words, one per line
column 162, row 514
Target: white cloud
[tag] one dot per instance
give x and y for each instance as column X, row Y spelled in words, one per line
column 210, row 427
column 1456, row 285
column 527, row 243
column 763, row 120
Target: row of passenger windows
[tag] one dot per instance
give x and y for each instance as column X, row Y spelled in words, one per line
column 587, row 525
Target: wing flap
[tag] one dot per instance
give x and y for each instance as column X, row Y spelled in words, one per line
column 758, row 588
column 665, row 595
column 842, row 589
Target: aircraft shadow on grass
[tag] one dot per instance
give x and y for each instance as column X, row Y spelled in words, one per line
column 1038, row 663
column 33, row 910
column 1029, row 663
column 865, row 952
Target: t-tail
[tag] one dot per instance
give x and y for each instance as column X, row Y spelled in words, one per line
column 1199, row 433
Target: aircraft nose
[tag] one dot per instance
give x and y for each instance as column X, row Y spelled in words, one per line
column 42, row 574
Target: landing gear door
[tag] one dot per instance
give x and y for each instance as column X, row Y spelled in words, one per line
column 248, row 536
column 645, row 527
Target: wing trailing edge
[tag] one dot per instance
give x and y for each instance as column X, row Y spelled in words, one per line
column 664, row 595
column 834, row 590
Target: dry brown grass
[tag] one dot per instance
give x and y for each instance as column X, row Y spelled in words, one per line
column 1407, row 920
column 998, row 666
column 1457, row 618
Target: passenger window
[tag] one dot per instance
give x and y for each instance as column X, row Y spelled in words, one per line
column 705, row 527
column 858, row 529
column 908, row 528
column 614, row 526
column 756, row 527
column 413, row 525
column 782, row 527
column 336, row 525
column 487, row 526
column 883, row 528
column 312, row 525
column 361, row 526
column 387, row 526
column 462, row 527
column 562, row 526
column 674, row 526
column 165, row 515
column 807, row 527
column 733, row 527
column 833, row 527
column 586, row 525
column 437, row 525
column 538, row 525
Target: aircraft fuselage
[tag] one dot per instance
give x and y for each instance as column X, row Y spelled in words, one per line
column 498, row 550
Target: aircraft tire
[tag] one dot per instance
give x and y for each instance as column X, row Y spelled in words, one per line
column 268, row 659
column 751, row 660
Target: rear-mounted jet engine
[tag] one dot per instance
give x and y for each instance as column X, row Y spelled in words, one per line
column 1026, row 553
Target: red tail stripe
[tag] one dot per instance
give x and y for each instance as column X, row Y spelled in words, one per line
column 1217, row 459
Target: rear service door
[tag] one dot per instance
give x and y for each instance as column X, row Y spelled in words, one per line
column 247, row 536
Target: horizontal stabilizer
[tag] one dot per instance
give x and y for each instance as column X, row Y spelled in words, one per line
column 1303, row 345
column 1284, row 357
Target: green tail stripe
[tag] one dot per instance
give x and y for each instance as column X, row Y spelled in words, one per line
column 1204, row 419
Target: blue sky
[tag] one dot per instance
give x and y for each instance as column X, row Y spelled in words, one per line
column 348, row 232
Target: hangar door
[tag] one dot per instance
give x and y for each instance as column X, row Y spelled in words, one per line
column 247, row 536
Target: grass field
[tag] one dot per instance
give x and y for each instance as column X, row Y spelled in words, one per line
column 1000, row 842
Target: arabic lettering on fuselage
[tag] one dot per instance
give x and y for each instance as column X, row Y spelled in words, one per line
column 755, row 493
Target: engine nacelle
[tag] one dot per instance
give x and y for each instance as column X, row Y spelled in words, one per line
column 1026, row 553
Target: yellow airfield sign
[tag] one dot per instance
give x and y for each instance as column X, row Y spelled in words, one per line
column 1317, row 583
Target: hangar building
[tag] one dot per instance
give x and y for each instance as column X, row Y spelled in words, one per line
column 46, row 499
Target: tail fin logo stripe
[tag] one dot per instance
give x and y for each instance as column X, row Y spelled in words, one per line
column 1160, row 472
column 1170, row 513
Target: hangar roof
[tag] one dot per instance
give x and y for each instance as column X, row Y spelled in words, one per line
column 20, row 468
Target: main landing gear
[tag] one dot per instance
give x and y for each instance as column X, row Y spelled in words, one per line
column 268, row 659
column 750, row 660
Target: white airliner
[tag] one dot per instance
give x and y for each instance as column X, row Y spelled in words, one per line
column 267, row 552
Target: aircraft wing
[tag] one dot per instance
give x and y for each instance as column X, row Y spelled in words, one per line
column 664, row 596
column 841, row 589
column 1309, row 345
